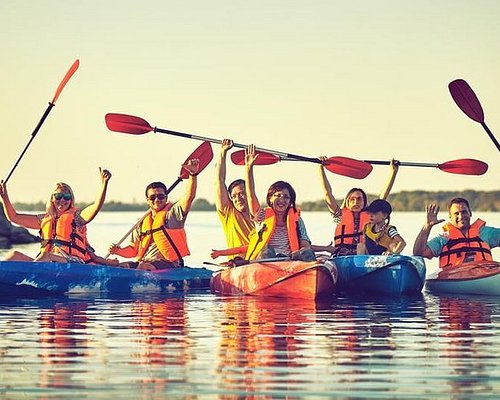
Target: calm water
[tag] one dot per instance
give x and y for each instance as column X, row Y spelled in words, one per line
column 200, row 345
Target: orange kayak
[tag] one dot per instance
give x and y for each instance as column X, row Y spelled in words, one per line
column 289, row 279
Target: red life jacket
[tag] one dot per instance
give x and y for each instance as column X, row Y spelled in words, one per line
column 261, row 238
column 172, row 243
column 65, row 234
column 345, row 234
column 462, row 248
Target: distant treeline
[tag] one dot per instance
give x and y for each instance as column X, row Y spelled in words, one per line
column 401, row 201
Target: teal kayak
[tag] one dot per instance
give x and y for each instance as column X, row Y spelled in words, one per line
column 380, row 275
column 480, row 277
column 20, row 278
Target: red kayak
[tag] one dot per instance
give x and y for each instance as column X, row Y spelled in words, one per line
column 480, row 277
column 290, row 279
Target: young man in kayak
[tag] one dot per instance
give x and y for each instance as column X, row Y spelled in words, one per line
column 160, row 242
column 351, row 216
column 380, row 238
column 63, row 226
column 461, row 241
column 231, row 204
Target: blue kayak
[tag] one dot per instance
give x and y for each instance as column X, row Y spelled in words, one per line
column 19, row 278
column 380, row 275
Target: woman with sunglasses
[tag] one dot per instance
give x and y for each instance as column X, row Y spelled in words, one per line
column 62, row 228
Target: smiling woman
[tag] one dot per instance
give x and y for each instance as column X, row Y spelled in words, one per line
column 63, row 226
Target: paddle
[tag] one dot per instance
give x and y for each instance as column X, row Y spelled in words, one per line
column 137, row 126
column 340, row 165
column 468, row 102
column 204, row 154
column 61, row 86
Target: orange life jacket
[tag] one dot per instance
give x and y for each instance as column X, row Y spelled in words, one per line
column 345, row 235
column 462, row 248
column 261, row 238
column 65, row 234
column 172, row 243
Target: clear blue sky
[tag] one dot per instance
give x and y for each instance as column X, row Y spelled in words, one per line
column 360, row 79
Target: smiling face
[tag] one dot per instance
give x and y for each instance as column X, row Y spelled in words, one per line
column 280, row 201
column 460, row 216
column 156, row 198
column 62, row 200
column 356, row 201
column 239, row 198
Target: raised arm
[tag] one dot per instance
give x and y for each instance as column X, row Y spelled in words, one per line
column 89, row 212
column 327, row 189
column 27, row 220
column 221, row 196
column 392, row 177
column 192, row 166
column 420, row 247
column 253, row 201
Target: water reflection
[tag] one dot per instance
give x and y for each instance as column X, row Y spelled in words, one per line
column 468, row 338
column 63, row 341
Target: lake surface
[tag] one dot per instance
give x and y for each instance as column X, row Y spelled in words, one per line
column 198, row 345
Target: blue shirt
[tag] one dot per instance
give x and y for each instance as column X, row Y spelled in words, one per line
column 487, row 234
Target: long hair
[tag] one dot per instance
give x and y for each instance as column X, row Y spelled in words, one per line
column 276, row 187
column 346, row 198
column 63, row 188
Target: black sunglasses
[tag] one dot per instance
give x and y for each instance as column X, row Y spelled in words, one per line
column 65, row 196
column 153, row 197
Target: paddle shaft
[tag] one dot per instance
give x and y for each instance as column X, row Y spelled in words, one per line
column 239, row 145
column 490, row 134
column 33, row 134
column 178, row 180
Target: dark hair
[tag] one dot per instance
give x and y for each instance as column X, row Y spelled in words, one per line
column 235, row 183
column 459, row 200
column 365, row 198
column 156, row 185
column 280, row 185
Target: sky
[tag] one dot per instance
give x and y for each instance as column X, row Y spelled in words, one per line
column 360, row 79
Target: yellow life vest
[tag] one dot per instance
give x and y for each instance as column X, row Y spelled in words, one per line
column 462, row 248
column 259, row 239
column 172, row 243
column 377, row 243
column 64, row 233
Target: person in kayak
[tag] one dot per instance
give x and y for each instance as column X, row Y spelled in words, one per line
column 62, row 227
column 380, row 238
column 160, row 241
column 461, row 242
column 231, row 204
column 351, row 216
column 279, row 229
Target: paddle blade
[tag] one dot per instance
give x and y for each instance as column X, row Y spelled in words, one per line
column 65, row 80
column 264, row 158
column 204, row 154
column 466, row 99
column 127, row 124
column 348, row 167
column 465, row 166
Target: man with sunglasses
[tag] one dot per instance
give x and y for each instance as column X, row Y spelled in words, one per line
column 159, row 241
column 232, row 206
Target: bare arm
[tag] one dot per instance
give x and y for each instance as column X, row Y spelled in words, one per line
column 390, row 182
column 327, row 189
column 221, row 195
column 253, row 201
column 186, row 201
column 420, row 247
column 89, row 212
column 27, row 220
column 398, row 246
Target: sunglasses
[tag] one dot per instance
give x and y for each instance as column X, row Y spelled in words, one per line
column 153, row 197
column 59, row 196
